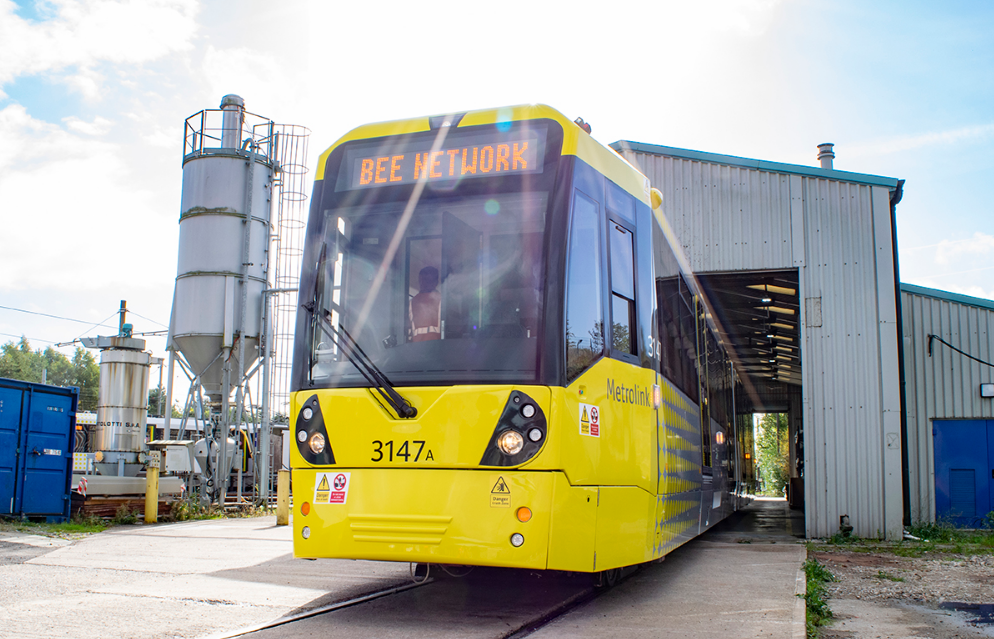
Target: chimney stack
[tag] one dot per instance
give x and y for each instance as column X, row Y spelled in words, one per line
column 826, row 155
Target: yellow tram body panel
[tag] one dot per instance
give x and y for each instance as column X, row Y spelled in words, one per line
column 468, row 517
column 591, row 488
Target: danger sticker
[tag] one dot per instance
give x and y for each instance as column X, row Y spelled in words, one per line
column 332, row 488
column 590, row 420
column 500, row 494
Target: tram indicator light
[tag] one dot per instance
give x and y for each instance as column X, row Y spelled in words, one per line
column 458, row 156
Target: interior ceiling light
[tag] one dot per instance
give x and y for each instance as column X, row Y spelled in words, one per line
column 781, row 310
column 770, row 288
column 766, row 300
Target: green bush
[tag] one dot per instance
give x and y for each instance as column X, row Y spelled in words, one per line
column 818, row 612
column 124, row 516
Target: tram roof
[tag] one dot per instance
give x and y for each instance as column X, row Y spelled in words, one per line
column 575, row 140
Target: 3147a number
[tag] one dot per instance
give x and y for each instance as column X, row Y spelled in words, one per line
column 387, row 451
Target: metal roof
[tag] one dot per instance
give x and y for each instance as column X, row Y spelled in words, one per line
column 947, row 296
column 762, row 165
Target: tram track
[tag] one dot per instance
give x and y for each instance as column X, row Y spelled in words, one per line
column 338, row 605
column 499, row 604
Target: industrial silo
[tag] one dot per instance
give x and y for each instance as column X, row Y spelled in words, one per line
column 228, row 170
column 122, row 410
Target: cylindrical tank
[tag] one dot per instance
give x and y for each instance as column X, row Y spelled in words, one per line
column 220, row 184
column 122, row 410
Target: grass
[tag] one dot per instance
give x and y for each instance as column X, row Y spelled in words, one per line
column 889, row 577
column 818, row 612
column 77, row 526
column 934, row 538
column 80, row 525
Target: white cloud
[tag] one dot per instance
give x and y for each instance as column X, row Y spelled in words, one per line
column 957, row 251
column 81, row 34
column 72, row 210
column 99, row 126
column 904, row 143
column 27, row 141
column 243, row 71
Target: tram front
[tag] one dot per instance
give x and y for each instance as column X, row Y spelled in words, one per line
column 428, row 336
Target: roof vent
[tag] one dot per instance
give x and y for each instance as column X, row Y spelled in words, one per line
column 826, row 155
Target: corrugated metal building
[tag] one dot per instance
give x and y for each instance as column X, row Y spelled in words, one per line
column 942, row 384
column 802, row 259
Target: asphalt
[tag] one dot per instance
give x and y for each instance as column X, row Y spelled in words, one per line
column 211, row 578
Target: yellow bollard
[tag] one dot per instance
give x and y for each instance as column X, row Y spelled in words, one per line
column 152, row 494
column 283, row 498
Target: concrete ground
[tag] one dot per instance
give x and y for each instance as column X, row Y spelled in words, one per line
column 740, row 579
column 197, row 579
column 189, row 579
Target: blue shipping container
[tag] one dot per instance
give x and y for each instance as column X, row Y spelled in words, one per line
column 37, row 424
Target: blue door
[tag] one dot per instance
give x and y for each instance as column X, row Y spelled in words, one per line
column 47, row 454
column 10, row 429
column 964, row 470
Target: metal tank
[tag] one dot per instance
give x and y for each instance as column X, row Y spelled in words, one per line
column 122, row 409
column 228, row 171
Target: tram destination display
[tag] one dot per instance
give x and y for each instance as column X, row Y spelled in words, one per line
column 444, row 158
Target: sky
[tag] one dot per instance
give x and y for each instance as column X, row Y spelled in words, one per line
column 94, row 93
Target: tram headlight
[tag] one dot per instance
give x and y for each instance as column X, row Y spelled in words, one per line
column 307, row 413
column 535, row 434
column 528, row 411
column 517, row 539
column 510, row 442
column 305, row 532
column 316, row 443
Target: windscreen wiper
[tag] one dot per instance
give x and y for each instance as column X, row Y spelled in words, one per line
column 377, row 379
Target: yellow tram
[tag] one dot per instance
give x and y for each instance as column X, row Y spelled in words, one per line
column 499, row 359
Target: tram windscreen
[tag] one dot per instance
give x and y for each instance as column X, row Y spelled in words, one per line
column 445, row 290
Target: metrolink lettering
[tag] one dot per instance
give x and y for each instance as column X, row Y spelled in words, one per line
column 451, row 163
column 638, row 395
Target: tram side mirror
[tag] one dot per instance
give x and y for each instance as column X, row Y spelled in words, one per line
column 656, row 198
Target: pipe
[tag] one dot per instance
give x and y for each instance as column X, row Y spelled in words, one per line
column 826, row 155
column 233, row 108
column 895, row 199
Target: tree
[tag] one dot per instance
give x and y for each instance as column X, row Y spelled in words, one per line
column 772, row 456
column 18, row 361
column 86, row 375
column 154, row 395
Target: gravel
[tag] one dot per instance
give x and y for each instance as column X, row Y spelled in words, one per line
column 872, row 576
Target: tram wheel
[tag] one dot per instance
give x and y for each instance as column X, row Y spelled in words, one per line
column 608, row 578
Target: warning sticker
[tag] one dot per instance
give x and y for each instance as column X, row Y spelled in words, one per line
column 500, row 494
column 590, row 420
column 332, row 488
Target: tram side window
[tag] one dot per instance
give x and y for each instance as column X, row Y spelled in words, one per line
column 584, row 311
column 622, row 289
column 688, row 342
column 668, row 314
